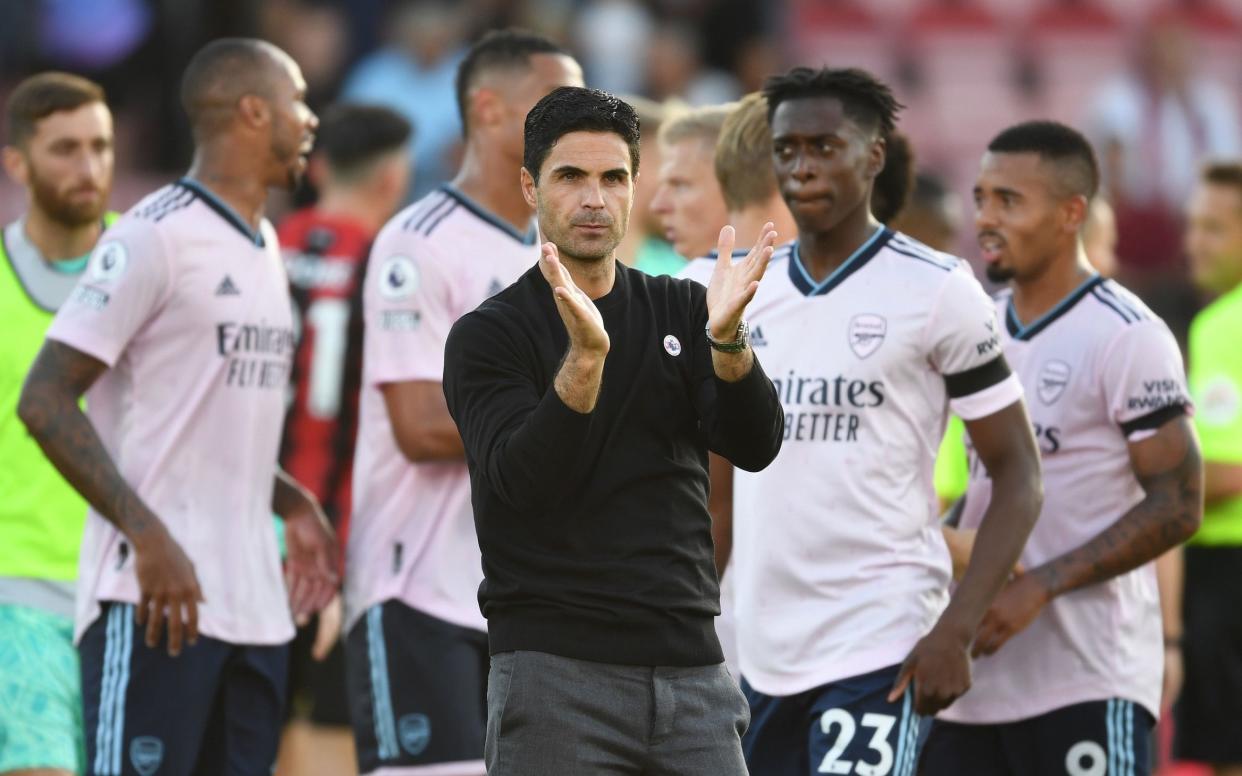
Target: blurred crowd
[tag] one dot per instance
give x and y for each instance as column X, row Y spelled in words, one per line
column 1152, row 82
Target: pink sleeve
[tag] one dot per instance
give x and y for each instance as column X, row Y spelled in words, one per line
column 124, row 285
column 409, row 310
column 1144, row 379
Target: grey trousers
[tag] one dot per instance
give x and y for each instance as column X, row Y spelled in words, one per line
column 555, row 716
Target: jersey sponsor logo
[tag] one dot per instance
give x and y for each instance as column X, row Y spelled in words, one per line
column 398, row 278
column 757, row 340
column 90, row 297
column 992, row 343
column 1219, row 402
column 850, row 397
column 1053, row 378
column 146, row 753
column 400, row 320
column 227, row 287
column 108, row 261
column 866, row 333
column 1047, row 437
column 672, row 346
column 414, row 733
column 258, row 355
column 1157, row 394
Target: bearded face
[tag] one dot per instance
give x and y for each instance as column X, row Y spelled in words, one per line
column 67, row 165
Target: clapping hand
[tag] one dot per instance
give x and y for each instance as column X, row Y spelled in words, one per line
column 733, row 285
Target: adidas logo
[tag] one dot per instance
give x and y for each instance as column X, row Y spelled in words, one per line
column 756, row 338
column 227, row 288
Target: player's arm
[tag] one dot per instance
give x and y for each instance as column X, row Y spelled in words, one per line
column 409, row 308
column 720, row 506
column 310, row 547
column 1005, row 445
column 1007, row 449
column 1168, row 466
column 964, row 348
column 49, row 407
column 420, row 421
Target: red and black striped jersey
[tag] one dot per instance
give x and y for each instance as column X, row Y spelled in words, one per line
column 325, row 257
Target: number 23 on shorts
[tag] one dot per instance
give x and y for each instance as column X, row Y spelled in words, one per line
column 866, row 743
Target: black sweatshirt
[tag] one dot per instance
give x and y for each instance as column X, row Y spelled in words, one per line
column 594, row 527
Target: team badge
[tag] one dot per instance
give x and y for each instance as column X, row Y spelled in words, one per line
column 1053, row 378
column 866, row 333
column 146, row 753
column 672, row 345
column 398, row 278
column 414, row 731
column 108, row 261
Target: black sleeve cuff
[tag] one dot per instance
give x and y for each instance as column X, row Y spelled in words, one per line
column 1154, row 420
column 980, row 378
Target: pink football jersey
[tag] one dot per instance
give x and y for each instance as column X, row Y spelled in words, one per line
column 189, row 308
column 1100, row 370
column 412, row 533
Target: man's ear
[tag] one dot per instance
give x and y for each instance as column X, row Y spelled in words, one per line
column 486, row 108
column 15, row 165
column 528, row 188
column 1074, row 213
column 877, row 154
column 254, row 110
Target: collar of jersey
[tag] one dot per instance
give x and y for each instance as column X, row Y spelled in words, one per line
column 529, row 238
column 1020, row 332
column 738, row 253
column 803, row 281
column 222, row 208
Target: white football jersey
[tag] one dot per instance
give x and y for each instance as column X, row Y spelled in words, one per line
column 1100, row 370
column 839, row 561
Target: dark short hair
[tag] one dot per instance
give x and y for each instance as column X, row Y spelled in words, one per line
column 497, row 50
column 1062, row 145
column 892, row 186
column 351, row 135
column 1222, row 172
column 866, row 99
column 41, row 95
column 575, row 109
column 225, row 69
